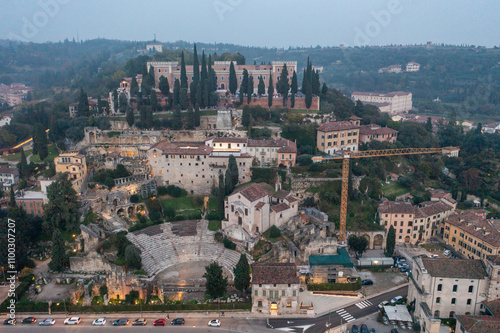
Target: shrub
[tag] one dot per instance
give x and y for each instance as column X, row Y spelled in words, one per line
column 304, row 159
column 134, row 198
column 335, row 286
column 274, row 232
column 229, row 244
column 212, row 215
column 198, row 201
column 169, row 212
column 162, row 190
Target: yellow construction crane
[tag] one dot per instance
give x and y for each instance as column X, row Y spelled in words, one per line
column 362, row 154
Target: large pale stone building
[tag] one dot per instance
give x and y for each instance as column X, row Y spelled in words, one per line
column 275, row 288
column 172, row 71
column 75, row 165
column 470, row 233
column 194, row 165
column 400, row 101
column 414, row 223
column 338, row 136
column 443, row 288
column 255, row 208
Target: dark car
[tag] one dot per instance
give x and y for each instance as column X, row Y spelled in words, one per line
column 10, row 321
column 29, row 320
column 367, row 282
column 120, row 322
column 394, row 330
column 178, row 321
column 364, row 328
column 159, row 322
column 373, row 331
column 355, row 329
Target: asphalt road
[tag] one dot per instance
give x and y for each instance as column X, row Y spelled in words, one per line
column 192, row 325
column 336, row 318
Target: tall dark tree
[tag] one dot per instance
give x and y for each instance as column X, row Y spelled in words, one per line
column 184, row 100
column 233, row 81
column 177, row 93
column 197, row 115
column 316, row 86
column 177, row 118
column 232, row 166
column 241, row 93
column 149, row 117
column 428, row 124
column 294, row 86
column 134, row 87
column 40, row 142
column 146, row 82
column 23, row 165
column 83, row 104
column 59, row 258
column 122, row 103
column 244, row 82
column 199, row 94
column 261, row 88
column 357, row 244
column 206, row 93
column 130, row 117
column 12, row 197
column 308, row 94
column 133, row 257
column 228, row 183
column 153, row 100
column 283, row 86
column 196, row 65
column 220, row 197
column 61, row 212
column 190, row 121
column 270, row 91
column 164, row 86
column 390, row 242
column 324, row 90
column 292, row 100
column 242, row 274
column 183, row 73
column 115, row 100
column 216, row 285
column 250, row 89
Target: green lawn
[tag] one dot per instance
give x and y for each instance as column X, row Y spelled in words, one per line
column 394, row 189
column 184, row 203
column 302, row 111
column 214, row 225
column 53, row 153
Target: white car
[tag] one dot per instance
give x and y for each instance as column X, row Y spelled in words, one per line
column 72, row 321
column 99, row 322
column 395, row 299
column 447, row 253
column 433, row 256
column 47, row 322
column 214, row 323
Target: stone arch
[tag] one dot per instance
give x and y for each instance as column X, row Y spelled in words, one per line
column 407, row 239
column 131, row 211
column 222, row 86
column 92, row 137
column 367, row 237
column 139, row 208
column 115, row 202
column 120, row 211
column 378, row 241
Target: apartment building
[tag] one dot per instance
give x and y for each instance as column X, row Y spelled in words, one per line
column 338, row 136
column 400, row 101
column 374, row 132
column 75, row 165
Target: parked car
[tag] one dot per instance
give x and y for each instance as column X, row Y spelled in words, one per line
column 393, row 322
column 355, row 329
column 99, row 322
column 433, row 256
column 385, row 321
column 10, row 321
column 394, row 330
column 29, row 320
column 396, row 299
column 367, row 282
column 381, row 305
column 214, row 323
column 121, row 322
column 447, row 252
column 178, row 321
column 47, row 322
column 373, row 330
column 140, row 322
column 72, row 321
column 404, row 269
column 409, row 326
column 364, row 328
column 160, row 322
column 402, row 325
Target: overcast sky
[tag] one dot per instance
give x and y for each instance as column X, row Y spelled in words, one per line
column 270, row 23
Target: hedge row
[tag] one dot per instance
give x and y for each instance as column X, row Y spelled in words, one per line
column 334, row 286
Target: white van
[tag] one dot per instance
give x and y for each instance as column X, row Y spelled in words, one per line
column 447, row 253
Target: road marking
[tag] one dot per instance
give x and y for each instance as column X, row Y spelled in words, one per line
column 345, row 315
column 363, row 304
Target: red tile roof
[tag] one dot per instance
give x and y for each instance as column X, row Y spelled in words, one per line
column 479, row 324
column 280, row 207
column 455, row 268
column 396, row 207
column 231, row 139
column 370, row 130
column 269, row 273
column 254, row 192
column 337, row 126
column 476, row 226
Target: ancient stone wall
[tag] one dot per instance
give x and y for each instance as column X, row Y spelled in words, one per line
column 93, row 262
column 300, row 103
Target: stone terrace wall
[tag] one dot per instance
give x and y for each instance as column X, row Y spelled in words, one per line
column 300, row 102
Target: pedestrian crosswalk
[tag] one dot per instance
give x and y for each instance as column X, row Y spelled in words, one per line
column 345, row 315
column 363, row 304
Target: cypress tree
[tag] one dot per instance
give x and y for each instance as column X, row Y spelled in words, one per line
column 203, row 78
column 177, row 93
column 184, row 79
column 197, row 114
column 228, row 183
column 206, row 94
column 23, row 165
column 241, row 93
column 59, row 259
column 134, row 87
column 130, row 117
column 250, row 89
column 115, row 100
column 164, row 86
column 199, row 95
column 177, row 118
column 261, row 88
column 283, row 86
column 220, row 197
column 324, row 90
column 153, row 101
column 316, row 86
column 190, row 123
column 304, row 79
column 196, row 66
column 294, row 85
column 242, row 274
column 270, row 91
column 244, row 82
column 292, row 100
column 12, row 200
column 143, row 116
column 149, row 117
column 233, row 81
column 83, row 104
column 391, row 242
column 232, row 166
column 40, row 140
column 184, row 100
column 308, row 95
